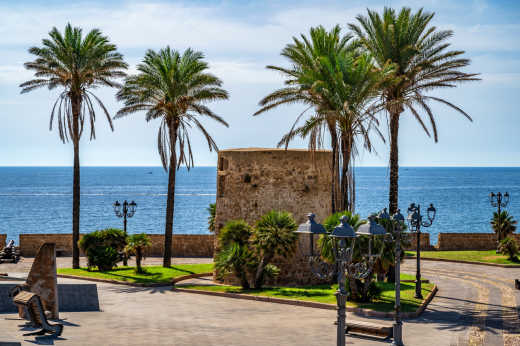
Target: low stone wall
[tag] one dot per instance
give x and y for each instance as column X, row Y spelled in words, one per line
column 469, row 241
column 425, row 241
column 3, row 239
column 183, row 245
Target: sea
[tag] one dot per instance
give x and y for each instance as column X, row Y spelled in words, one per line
column 39, row 199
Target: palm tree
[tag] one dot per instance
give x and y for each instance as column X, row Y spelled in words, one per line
column 137, row 243
column 503, row 224
column 76, row 64
column 212, row 210
column 304, row 55
column 273, row 236
column 175, row 88
column 422, row 62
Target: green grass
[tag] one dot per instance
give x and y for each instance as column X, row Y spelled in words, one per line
column 489, row 256
column 154, row 274
column 325, row 294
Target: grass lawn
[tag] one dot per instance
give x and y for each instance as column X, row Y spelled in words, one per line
column 154, row 274
column 488, row 256
column 325, row 294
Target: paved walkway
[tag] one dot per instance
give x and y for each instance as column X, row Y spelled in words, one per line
column 475, row 305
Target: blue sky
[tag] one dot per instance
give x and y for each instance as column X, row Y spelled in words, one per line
column 239, row 38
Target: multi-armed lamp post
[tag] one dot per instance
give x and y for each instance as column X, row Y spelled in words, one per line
column 499, row 201
column 415, row 221
column 343, row 252
column 396, row 220
column 127, row 211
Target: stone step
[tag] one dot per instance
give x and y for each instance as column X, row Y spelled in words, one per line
column 369, row 328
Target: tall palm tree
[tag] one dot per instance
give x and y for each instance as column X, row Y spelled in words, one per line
column 175, row 88
column 422, row 63
column 304, row 54
column 330, row 77
column 75, row 64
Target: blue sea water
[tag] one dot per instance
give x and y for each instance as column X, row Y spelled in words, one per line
column 39, row 199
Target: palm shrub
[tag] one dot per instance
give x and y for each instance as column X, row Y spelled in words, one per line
column 235, row 255
column 509, row 247
column 103, row 248
column 212, row 210
column 136, row 244
column 76, row 64
column 503, row 224
column 274, row 235
column 175, row 88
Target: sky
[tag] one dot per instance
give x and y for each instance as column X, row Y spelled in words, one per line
column 239, row 38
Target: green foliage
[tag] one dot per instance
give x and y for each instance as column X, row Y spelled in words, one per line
column 103, row 248
column 503, row 224
column 212, row 210
column 77, row 64
column 137, row 243
column 273, row 236
column 509, row 247
column 325, row 241
column 235, row 255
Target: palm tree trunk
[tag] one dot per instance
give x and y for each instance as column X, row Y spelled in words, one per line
column 76, row 107
column 334, row 167
column 394, row 163
column 138, row 257
column 170, row 202
column 346, row 151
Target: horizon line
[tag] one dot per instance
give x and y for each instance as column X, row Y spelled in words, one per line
column 159, row 166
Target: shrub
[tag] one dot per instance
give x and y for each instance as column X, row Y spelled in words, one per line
column 509, row 247
column 273, row 236
column 137, row 243
column 503, row 224
column 212, row 210
column 235, row 255
column 103, row 248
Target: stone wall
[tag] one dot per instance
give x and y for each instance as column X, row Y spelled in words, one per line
column 469, row 241
column 3, row 240
column 251, row 182
column 183, row 245
column 425, row 241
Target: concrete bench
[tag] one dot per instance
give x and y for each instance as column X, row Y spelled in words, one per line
column 32, row 306
column 369, row 328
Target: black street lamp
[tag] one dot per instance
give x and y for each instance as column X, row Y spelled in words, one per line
column 498, row 200
column 343, row 253
column 415, row 221
column 397, row 220
column 127, row 212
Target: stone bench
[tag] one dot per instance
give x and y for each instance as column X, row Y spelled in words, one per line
column 32, row 306
column 369, row 328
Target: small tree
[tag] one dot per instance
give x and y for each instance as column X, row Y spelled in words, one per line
column 235, row 255
column 137, row 243
column 509, row 247
column 273, row 236
column 503, row 224
column 212, row 209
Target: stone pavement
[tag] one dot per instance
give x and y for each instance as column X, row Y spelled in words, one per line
column 475, row 305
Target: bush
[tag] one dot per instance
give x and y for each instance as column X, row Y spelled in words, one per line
column 509, row 247
column 103, row 248
column 273, row 236
column 503, row 224
column 137, row 243
column 235, row 255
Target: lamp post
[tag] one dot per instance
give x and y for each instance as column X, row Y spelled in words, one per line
column 396, row 221
column 415, row 220
column 127, row 212
column 343, row 253
column 498, row 200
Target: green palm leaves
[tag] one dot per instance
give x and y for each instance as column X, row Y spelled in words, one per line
column 175, row 88
column 77, row 64
column 422, row 62
column 339, row 84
